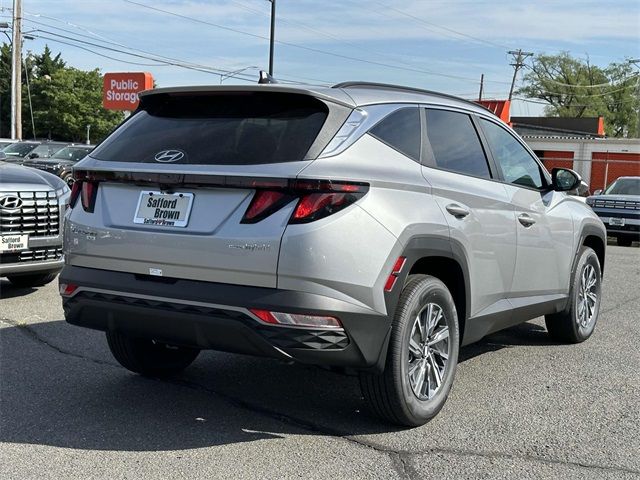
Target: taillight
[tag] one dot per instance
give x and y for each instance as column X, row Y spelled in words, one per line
column 316, row 199
column 88, row 195
column 296, row 319
column 75, row 192
column 264, row 203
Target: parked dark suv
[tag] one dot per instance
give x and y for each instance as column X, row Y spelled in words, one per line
column 362, row 226
column 61, row 163
column 619, row 208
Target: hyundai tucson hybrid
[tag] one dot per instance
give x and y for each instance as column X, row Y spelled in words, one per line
column 364, row 226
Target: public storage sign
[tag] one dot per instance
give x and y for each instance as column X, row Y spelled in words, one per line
column 120, row 90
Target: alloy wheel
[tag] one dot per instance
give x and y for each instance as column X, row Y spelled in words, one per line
column 587, row 296
column 429, row 349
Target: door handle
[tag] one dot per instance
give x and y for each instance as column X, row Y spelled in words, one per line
column 456, row 210
column 526, row 220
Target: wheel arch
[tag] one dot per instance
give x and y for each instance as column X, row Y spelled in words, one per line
column 593, row 237
column 441, row 257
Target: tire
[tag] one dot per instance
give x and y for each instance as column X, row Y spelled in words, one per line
column 624, row 241
column 575, row 324
column 392, row 395
column 33, row 280
column 149, row 358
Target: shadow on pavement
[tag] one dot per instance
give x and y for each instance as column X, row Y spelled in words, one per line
column 7, row 290
column 59, row 386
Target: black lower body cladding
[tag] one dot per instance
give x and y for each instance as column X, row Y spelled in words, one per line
column 213, row 316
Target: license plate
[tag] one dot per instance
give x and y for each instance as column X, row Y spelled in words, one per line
column 618, row 222
column 164, row 209
column 14, row 243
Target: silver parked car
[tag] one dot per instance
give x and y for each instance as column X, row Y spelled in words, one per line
column 364, row 226
column 32, row 204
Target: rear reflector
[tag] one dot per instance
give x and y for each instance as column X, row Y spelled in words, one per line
column 67, row 289
column 295, row 319
column 395, row 271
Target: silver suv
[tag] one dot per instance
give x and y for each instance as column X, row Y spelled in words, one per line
column 32, row 205
column 364, row 226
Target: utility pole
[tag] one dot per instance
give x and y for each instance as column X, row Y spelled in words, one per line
column 16, row 72
column 518, row 57
column 272, row 37
column 636, row 63
column 481, row 87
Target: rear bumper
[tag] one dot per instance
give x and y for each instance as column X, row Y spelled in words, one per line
column 216, row 316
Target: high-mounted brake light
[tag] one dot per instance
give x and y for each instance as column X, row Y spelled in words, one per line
column 296, row 319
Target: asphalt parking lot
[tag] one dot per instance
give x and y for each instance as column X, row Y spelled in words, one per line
column 521, row 407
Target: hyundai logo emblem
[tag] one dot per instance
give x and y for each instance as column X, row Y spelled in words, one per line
column 10, row 202
column 169, row 156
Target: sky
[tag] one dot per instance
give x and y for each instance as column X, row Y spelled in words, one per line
column 439, row 45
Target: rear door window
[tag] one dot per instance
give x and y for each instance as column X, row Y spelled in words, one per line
column 455, row 143
column 401, row 131
column 239, row 128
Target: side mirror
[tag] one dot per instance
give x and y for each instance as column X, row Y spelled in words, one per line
column 598, row 192
column 564, row 179
column 3, row 155
column 33, row 155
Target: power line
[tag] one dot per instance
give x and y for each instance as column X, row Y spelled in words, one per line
column 425, row 22
column 310, row 49
column 100, row 54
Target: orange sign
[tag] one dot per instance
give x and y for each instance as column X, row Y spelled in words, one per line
column 120, row 90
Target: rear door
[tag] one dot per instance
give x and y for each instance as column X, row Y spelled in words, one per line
column 477, row 208
column 544, row 222
column 173, row 190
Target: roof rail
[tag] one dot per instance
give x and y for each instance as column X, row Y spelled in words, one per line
column 404, row 89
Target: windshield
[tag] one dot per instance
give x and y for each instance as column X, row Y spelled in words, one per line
column 624, row 186
column 19, row 149
column 71, row 153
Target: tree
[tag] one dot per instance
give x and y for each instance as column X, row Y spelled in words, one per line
column 64, row 99
column 576, row 88
column 68, row 100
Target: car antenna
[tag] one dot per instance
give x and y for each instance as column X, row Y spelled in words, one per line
column 265, row 78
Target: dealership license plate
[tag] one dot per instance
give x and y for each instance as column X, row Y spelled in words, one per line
column 618, row 222
column 164, row 209
column 14, row 243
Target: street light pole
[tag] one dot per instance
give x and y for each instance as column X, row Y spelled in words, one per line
column 16, row 72
column 272, row 37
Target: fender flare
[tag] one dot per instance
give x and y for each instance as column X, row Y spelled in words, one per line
column 417, row 248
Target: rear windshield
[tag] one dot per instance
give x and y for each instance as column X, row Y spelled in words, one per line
column 240, row 128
